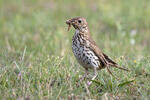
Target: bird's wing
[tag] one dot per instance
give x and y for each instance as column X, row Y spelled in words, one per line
column 98, row 52
column 103, row 58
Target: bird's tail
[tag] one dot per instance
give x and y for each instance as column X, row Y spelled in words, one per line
column 119, row 67
column 112, row 63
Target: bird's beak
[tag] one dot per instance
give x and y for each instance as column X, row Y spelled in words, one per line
column 69, row 23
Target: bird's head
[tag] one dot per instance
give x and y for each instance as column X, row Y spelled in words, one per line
column 78, row 23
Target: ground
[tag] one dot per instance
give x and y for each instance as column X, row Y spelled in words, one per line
column 36, row 60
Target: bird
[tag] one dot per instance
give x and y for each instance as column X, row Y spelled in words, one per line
column 86, row 51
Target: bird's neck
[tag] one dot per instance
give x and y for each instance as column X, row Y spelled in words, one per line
column 83, row 31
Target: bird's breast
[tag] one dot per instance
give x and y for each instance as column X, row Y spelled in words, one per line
column 82, row 52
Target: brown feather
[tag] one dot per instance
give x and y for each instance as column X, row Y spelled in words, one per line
column 98, row 52
column 104, row 59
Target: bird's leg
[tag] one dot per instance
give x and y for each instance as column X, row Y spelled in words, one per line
column 84, row 76
column 93, row 78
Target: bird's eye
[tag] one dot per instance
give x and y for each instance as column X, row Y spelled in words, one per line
column 79, row 21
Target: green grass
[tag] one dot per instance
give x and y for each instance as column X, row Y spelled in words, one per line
column 36, row 61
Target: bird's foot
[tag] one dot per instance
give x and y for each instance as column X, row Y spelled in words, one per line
column 89, row 83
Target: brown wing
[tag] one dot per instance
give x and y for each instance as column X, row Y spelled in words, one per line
column 109, row 60
column 98, row 52
column 103, row 58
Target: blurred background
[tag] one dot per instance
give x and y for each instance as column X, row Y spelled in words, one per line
column 34, row 42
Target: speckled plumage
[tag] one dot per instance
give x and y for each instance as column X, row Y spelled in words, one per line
column 85, row 49
column 82, row 52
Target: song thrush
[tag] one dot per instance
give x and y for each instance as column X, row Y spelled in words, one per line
column 86, row 51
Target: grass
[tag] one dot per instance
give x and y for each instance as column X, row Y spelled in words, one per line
column 36, row 61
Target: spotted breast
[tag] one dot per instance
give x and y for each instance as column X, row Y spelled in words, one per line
column 82, row 52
